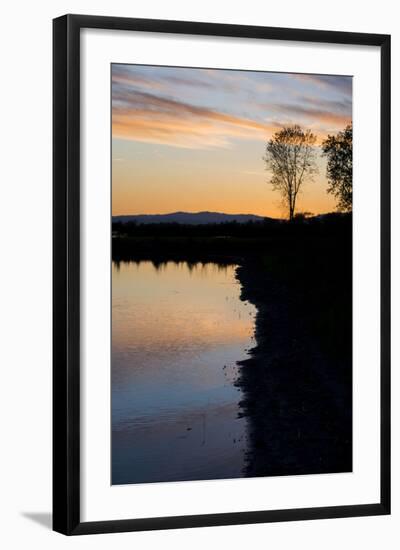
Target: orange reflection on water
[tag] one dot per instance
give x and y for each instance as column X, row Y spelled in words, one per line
column 186, row 308
column 177, row 334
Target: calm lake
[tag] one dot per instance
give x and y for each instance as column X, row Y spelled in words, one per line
column 177, row 332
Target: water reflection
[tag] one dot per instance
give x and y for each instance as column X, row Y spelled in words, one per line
column 177, row 331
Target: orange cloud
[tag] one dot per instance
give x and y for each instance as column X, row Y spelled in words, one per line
column 151, row 118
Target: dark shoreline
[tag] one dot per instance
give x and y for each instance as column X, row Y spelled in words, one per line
column 297, row 399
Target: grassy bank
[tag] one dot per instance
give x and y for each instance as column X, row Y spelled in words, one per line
column 297, row 382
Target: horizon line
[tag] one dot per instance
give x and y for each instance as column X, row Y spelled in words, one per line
column 195, row 212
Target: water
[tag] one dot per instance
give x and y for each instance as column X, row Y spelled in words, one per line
column 177, row 332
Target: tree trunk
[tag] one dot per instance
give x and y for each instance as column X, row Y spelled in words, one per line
column 291, row 210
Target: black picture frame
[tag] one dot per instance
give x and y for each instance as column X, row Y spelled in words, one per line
column 66, row 273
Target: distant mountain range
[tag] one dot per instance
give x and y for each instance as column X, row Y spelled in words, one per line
column 194, row 218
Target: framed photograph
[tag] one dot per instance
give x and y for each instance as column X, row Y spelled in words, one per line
column 221, row 274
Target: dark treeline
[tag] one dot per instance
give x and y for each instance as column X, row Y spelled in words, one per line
column 230, row 241
column 269, row 227
column 249, row 229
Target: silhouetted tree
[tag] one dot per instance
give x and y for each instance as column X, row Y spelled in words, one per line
column 338, row 150
column 290, row 157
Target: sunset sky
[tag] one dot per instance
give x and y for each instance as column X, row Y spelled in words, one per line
column 193, row 139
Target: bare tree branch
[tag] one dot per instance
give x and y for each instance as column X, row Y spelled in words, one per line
column 290, row 158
